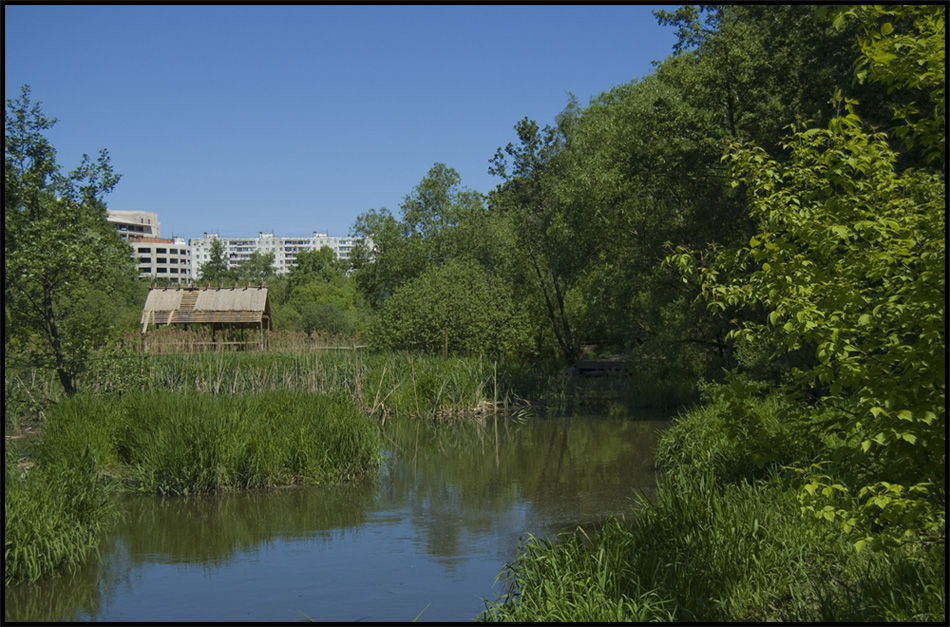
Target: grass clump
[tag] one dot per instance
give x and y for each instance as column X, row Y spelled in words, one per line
column 166, row 443
column 578, row 580
column 52, row 515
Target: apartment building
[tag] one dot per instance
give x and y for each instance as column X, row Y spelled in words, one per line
column 285, row 249
column 162, row 258
column 180, row 261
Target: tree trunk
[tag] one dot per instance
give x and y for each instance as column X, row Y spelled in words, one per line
column 66, row 377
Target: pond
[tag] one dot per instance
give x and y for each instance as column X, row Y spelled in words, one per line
column 426, row 538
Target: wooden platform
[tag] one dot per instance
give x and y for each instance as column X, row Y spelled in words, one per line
column 597, row 368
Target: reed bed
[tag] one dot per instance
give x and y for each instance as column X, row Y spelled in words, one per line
column 170, row 443
column 382, row 384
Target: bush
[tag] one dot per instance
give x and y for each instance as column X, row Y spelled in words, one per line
column 455, row 300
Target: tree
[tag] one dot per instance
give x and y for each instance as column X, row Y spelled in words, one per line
column 528, row 197
column 848, row 261
column 316, row 265
column 257, row 269
column 430, row 232
column 904, row 48
column 66, row 268
column 386, row 257
column 453, row 302
column 215, row 269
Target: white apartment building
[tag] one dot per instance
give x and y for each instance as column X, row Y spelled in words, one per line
column 285, row 249
column 155, row 256
column 162, row 258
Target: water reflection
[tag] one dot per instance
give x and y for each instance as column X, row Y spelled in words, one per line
column 433, row 530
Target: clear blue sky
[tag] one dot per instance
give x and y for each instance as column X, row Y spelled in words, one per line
column 293, row 119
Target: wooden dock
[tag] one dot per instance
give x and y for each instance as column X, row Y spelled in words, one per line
column 597, row 367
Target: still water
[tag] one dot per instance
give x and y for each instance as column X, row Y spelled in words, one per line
column 426, row 538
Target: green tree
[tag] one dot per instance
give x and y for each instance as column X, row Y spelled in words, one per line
column 455, row 300
column 257, row 269
column 430, row 232
column 215, row 270
column 328, row 307
column 849, row 262
column 904, row 48
column 528, row 198
column 316, row 265
column 386, row 257
column 65, row 266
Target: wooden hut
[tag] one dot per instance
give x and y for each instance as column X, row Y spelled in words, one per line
column 234, row 308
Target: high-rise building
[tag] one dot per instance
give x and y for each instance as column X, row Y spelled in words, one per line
column 285, row 249
column 162, row 258
column 155, row 256
column 180, row 261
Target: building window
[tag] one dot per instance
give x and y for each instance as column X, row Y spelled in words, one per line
column 161, row 251
column 145, row 250
column 161, row 260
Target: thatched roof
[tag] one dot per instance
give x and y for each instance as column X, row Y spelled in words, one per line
column 239, row 306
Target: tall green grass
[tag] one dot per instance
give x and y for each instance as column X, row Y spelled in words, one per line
column 168, row 443
column 573, row 581
column 52, row 515
column 171, row 443
column 380, row 383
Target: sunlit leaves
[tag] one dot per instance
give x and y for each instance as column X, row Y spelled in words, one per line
column 849, row 258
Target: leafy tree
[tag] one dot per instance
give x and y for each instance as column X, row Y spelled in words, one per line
column 434, row 210
column 527, row 197
column 430, row 232
column 849, row 260
column 65, row 266
column 257, row 269
column 215, row 270
column 904, row 47
column 332, row 308
column 316, row 265
column 752, row 69
column 846, row 262
column 385, row 258
column 455, row 300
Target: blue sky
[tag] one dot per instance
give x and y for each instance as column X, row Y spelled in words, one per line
column 296, row 118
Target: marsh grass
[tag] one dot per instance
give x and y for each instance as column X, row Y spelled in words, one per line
column 581, row 579
column 52, row 515
column 383, row 384
column 172, row 443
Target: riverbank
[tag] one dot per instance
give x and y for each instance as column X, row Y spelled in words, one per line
column 725, row 539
